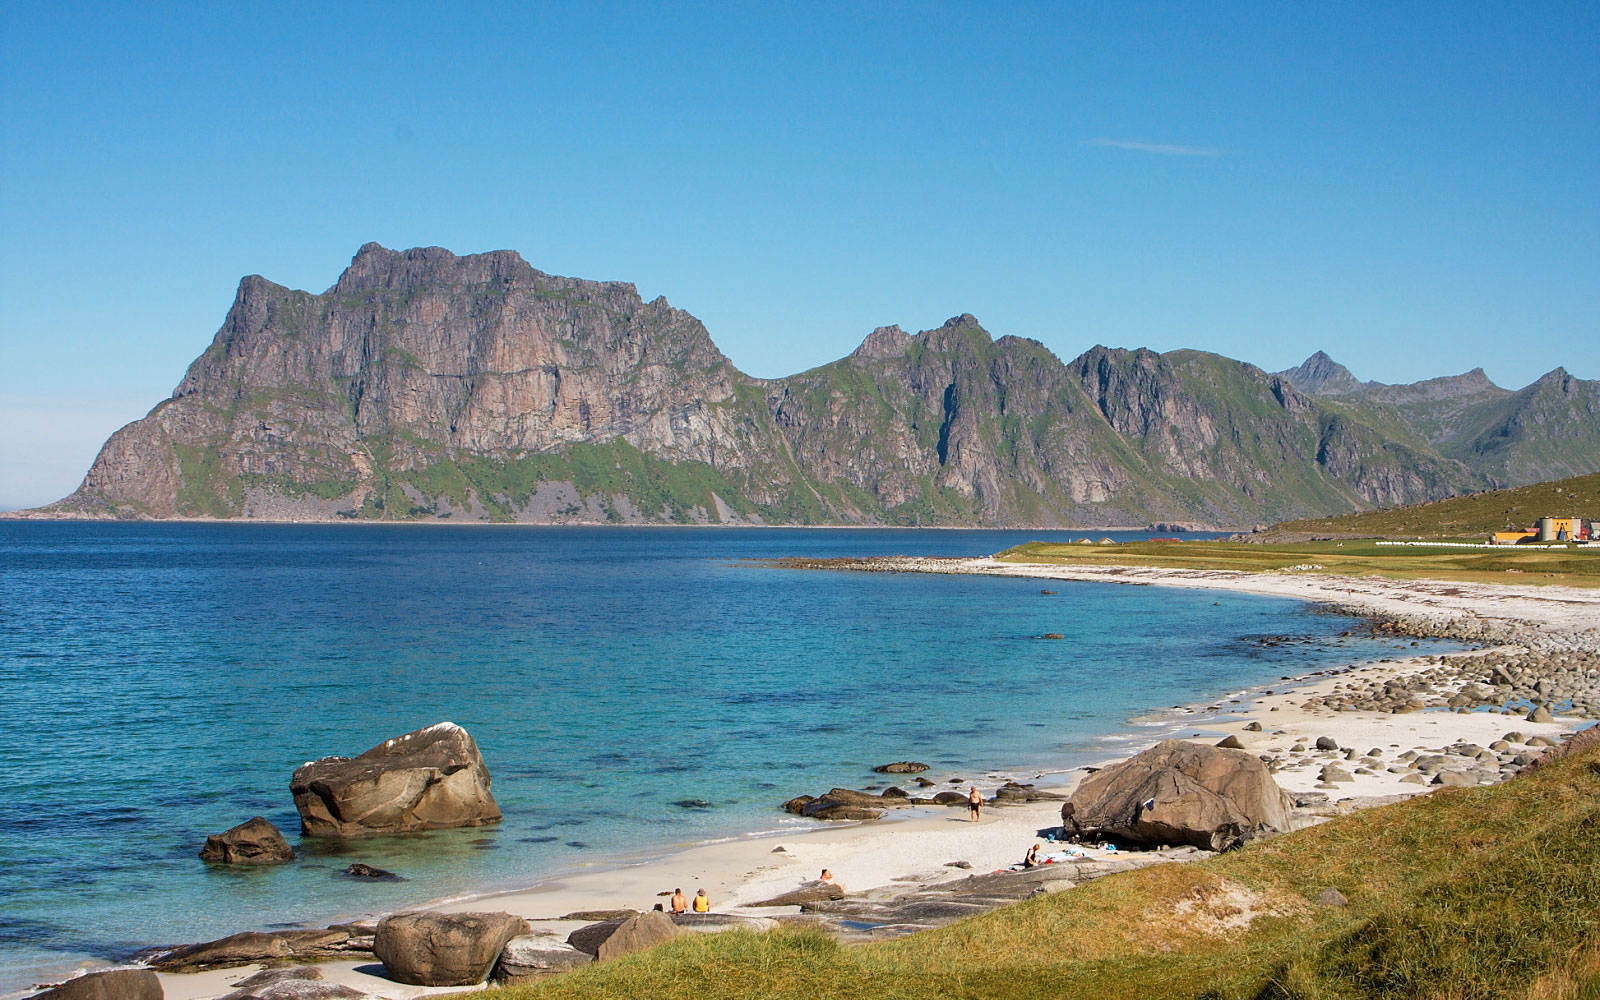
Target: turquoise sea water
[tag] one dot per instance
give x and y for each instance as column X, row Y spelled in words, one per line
column 161, row 682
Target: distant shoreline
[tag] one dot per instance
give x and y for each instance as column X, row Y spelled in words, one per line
column 24, row 515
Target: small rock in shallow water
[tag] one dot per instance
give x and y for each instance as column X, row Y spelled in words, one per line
column 253, row 842
column 359, row 870
column 902, row 767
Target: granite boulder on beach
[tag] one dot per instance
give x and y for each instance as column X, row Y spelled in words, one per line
column 610, row 939
column 114, row 984
column 431, row 779
column 1180, row 793
column 253, row 842
column 534, row 956
column 428, row 948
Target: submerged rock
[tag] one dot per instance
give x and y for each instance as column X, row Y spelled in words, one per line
column 901, row 767
column 430, row 779
column 253, row 842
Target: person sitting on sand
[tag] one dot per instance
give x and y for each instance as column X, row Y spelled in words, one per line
column 702, row 902
column 679, row 904
column 975, row 803
column 1031, row 859
column 826, row 876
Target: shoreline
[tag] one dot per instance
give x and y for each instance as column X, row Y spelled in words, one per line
column 28, row 516
column 914, row 846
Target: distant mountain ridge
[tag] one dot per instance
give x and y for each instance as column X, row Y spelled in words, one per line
column 1549, row 429
column 424, row 385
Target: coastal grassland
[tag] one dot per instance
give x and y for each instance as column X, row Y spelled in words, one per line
column 1471, row 516
column 1487, row 892
column 1573, row 567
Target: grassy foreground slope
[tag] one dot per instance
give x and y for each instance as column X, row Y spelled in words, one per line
column 1507, row 564
column 1473, row 516
column 1467, row 893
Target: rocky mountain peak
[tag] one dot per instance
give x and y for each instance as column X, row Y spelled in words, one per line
column 883, row 343
column 1321, row 375
column 427, row 385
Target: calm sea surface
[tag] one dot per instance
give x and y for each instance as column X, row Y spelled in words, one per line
column 161, row 682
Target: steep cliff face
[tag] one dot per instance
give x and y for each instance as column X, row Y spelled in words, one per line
column 415, row 359
column 427, row 385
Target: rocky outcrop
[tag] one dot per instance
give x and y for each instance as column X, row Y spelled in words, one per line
column 1180, row 793
column 534, row 956
column 251, row 947
column 614, row 938
column 423, row 384
column 266, row 986
column 847, row 804
column 253, row 842
column 809, row 892
column 115, row 984
column 430, row 779
column 428, row 948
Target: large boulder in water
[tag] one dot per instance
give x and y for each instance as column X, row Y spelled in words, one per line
column 116, row 984
column 253, row 842
column 1180, row 793
column 431, row 779
column 427, row 948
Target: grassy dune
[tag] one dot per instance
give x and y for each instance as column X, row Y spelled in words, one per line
column 1473, row 516
column 1466, row 893
column 1570, row 567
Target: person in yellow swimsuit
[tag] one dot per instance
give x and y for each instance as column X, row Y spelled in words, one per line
column 702, row 902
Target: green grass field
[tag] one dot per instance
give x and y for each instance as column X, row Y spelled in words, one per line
column 1473, row 516
column 1579, row 567
column 1467, row 893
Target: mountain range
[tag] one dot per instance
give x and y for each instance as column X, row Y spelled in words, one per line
column 425, row 386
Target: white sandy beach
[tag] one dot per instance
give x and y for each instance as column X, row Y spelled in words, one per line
column 914, row 846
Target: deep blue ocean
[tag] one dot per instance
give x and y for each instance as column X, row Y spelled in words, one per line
column 159, row 682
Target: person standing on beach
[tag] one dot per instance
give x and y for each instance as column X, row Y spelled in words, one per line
column 975, row 803
column 702, row 902
column 679, row 904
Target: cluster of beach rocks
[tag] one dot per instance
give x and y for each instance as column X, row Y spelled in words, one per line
column 1460, row 763
column 1550, row 674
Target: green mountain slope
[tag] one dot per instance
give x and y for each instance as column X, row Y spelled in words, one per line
column 1474, row 516
column 424, row 385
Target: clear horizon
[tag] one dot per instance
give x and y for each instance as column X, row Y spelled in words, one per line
column 1410, row 190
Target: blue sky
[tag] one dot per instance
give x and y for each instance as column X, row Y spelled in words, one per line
column 1411, row 187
